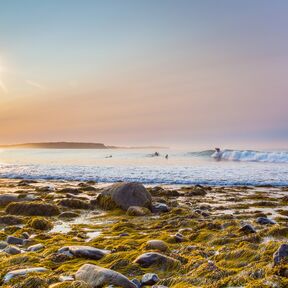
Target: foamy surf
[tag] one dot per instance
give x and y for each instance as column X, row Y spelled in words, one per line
column 251, row 156
column 182, row 168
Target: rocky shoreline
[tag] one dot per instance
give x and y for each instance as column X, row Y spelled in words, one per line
column 84, row 234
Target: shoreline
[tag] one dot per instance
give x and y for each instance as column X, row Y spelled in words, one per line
column 190, row 236
column 148, row 184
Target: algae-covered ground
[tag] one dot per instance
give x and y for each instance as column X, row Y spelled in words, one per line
column 201, row 231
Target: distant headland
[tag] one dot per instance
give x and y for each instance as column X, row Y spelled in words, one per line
column 72, row 145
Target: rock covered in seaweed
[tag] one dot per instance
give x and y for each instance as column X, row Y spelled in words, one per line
column 10, row 220
column 157, row 245
column 138, row 211
column 159, row 260
column 40, row 223
column 74, row 203
column 6, row 199
column 124, row 195
column 32, row 209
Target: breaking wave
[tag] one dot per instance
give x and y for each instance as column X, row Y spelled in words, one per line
column 251, row 156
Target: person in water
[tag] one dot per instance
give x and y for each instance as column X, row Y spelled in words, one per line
column 166, row 156
column 218, row 153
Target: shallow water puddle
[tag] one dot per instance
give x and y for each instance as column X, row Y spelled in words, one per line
column 92, row 235
column 61, row 227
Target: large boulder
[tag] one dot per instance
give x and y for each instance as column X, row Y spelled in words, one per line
column 32, row 209
column 97, row 276
column 158, row 260
column 84, row 252
column 124, row 195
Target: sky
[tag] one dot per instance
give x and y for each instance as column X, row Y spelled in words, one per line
column 153, row 72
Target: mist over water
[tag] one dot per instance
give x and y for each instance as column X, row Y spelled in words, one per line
column 234, row 167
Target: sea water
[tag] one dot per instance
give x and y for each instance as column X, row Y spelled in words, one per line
column 231, row 167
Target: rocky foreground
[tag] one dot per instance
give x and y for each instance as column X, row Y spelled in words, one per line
column 71, row 234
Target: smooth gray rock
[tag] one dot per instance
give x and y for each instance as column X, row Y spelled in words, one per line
column 281, row 254
column 22, row 272
column 178, row 237
column 97, row 276
column 265, row 221
column 160, row 208
column 84, row 252
column 14, row 240
column 247, row 228
column 149, row 279
column 12, row 250
column 35, row 247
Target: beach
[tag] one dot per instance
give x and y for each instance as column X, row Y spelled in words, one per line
column 185, row 235
column 143, row 144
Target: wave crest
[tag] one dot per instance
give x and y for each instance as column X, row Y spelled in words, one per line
column 251, row 156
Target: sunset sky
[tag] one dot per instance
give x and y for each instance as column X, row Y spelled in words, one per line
column 153, row 72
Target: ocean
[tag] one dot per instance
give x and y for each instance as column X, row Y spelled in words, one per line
column 230, row 167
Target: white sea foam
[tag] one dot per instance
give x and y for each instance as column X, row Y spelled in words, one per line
column 247, row 167
column 251, row 156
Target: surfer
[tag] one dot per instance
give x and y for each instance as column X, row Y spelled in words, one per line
column 218, row 153
column 166, row 156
